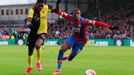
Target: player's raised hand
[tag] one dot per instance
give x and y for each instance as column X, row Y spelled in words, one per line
column 58, row 2
column 57, row 5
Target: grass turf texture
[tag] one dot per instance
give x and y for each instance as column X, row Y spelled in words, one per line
column 105, row 61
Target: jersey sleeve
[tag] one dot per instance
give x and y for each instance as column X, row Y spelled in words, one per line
column 31, row 13
column 50, row 8
column 99, row 23
column 65, row 15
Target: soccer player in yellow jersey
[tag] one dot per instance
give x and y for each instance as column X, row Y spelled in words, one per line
column 37, row 21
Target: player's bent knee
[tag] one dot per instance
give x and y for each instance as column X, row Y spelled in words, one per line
column 37, row 46
column 30, row 51
column 71, row 57
column 30, row 54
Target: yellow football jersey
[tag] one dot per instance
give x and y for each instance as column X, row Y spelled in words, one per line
column 39, row 21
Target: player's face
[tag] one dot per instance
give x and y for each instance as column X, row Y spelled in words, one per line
column 39, row 6
column 77, row 15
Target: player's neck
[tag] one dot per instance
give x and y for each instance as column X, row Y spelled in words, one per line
column 76, row 20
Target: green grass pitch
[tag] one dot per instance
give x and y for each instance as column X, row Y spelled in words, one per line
column 105, row 61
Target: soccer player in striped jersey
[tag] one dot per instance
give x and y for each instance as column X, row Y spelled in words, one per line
column 78, row 38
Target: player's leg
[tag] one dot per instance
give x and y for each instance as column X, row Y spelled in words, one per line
column 63, row 49
column 30, row 57
column 38, row 48
column 67, row 45
column 31, row 44
column 38, row 44
column 69, row 42
column 76, row 49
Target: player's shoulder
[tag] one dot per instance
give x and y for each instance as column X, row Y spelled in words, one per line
column 82, row 18
column 31, row 9
column 47, row 6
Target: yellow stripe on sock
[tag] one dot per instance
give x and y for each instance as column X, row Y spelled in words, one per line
column 38, row 55
column 30, row 58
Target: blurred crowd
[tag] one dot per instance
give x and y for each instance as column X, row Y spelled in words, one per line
column 59, row 29
column 119, row 16
column 12, row 33
column 62, row 29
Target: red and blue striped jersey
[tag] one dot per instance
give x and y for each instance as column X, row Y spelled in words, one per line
column 79, row 27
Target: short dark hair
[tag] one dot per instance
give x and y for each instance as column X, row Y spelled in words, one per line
column 76, row 9
column 41, row 1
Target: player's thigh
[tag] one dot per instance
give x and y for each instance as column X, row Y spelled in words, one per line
column 41, row 39
column 77, row 48
column 32, row 40
column 39, row 42
column 68, row 43
column 65, row 46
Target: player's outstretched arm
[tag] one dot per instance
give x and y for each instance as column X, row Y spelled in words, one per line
column 104, row 25
column 99, row 23
column 58, row 2
column 64, row 14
